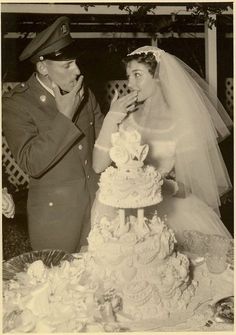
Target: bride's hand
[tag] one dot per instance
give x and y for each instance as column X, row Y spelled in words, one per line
column 122, row 106
column 181, row 193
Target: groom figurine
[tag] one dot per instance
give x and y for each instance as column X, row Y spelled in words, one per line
column 51, row 122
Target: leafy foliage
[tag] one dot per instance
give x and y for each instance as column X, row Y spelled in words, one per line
column 86, row 6
column 137, row 15
column 207, row 10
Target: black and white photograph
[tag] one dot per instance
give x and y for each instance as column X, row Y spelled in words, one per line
column 117, row 166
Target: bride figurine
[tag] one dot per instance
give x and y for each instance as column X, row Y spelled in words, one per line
column 182, row 121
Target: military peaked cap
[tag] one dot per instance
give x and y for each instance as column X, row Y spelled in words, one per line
column 55, row 43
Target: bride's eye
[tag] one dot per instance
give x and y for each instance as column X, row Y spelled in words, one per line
column 137, row 75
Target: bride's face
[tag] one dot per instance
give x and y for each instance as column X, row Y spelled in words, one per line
column 140, row 80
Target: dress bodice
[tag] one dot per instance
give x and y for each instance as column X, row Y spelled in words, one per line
column 161, row 145
column 162, row 155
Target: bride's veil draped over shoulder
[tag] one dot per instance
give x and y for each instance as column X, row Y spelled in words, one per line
column 200, row 122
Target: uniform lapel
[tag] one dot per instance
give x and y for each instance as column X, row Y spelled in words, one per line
column 44, row 99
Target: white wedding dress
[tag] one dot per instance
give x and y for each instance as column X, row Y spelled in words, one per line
column 182, row 214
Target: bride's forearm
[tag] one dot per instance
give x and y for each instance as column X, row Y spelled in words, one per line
column 101, row 159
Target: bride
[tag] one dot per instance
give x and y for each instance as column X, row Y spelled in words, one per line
column 181, row 120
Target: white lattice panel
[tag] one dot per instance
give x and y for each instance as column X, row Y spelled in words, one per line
column 7, row 86
column 120, row 85
column 15, row 175
column 229, row 86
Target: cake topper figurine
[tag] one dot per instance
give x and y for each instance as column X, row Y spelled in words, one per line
column 126, row 148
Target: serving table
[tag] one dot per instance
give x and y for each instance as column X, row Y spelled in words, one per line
column 211, row 265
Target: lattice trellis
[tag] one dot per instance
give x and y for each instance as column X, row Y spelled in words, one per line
column 7, row 86
column 229, row 86
column 120, row 85
column 15, row 175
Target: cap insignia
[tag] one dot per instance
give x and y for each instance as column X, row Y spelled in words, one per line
column 64, row 29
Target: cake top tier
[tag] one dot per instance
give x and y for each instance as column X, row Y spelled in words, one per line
column 127, row 150
column 131, row 184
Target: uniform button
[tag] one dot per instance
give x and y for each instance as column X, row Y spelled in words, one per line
column 43, row 98
column 23, row 84
column 50, row 204
column 88, row 176
column 91, row 123
column 80, row 147
column 85, row 162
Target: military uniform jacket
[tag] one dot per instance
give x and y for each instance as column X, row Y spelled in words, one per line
column 54, row 151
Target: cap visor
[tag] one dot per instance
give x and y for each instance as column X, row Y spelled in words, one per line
column 70, row 52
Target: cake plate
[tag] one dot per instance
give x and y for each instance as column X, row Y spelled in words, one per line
column 50, row 257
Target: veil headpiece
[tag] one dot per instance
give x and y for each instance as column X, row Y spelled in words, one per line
column 146, row 49
column 200, row 122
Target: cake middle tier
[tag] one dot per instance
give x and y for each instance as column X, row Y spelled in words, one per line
column 130, row 188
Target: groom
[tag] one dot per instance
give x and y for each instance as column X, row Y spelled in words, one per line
column 51, row 122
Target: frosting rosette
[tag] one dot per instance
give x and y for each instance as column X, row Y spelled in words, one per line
column 127, row 145
column 119, row 155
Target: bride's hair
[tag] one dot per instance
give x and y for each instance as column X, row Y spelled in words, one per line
column 147, row 59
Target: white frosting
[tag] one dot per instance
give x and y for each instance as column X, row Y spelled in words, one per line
column 122, row 275
column 64, row 299
column 151, row 277
column 130, row 188
column 131, row 184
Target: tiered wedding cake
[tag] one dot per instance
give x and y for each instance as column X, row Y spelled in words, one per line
column 131, row 254
column 130, row 272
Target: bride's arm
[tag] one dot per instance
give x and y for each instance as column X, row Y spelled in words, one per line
column 101, row 158
column 118, row 111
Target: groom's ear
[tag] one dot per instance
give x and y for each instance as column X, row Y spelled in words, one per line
column 42, row 68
